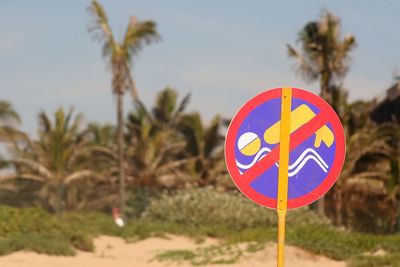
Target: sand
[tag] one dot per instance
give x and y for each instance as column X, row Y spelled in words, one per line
column 115, row 252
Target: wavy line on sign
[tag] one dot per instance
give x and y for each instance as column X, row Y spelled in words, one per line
column 302, row 163
column 306, row 155
column 260, row 154
column 301, row 157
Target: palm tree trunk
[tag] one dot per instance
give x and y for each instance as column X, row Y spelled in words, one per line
column 120, row 136
column 60, row 197
column 338, row 198
column 321, row 206
column 397, row 227
column 325, row 89
column 326, row 95
column 326, row 76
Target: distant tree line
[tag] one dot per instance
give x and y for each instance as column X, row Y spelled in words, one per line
column 73, row 166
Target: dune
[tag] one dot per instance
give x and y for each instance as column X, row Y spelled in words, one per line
column 115, row 252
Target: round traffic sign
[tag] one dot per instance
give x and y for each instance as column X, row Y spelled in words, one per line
column 317, row 148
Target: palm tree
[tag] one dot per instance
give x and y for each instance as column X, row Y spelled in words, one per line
column 390, row 132
column 101, row 134
column 366, row 151
column 203, row 147
column 8, row 119
column 103, row 149
column 325, row 55
column 167, row 111
column 56, row 160
column 361, row 140
column 119, row 58
column 104, row 153
column 155, row 145
column 367, row 194
column 356, row 116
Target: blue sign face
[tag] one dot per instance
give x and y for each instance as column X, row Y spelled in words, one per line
column 311, row 161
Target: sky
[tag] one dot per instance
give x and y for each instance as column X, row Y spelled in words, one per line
column 221, row 52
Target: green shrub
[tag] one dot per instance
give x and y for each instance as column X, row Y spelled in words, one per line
column 26, row 220
column 94, row 223
column 196, row 213
column 217, row 254
column 37, row 243
column 207, row 207
column 375, row 261
column 35, row 229
column 342, row 244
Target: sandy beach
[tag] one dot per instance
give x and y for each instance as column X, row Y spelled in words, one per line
column 115, row 252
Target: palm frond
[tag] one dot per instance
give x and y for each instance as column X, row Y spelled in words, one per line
column 191, row 127
column 7, row 113
column 32, row 165
column 182, row 105
column 302, row 65
column 366, row 184
column 44, row 122
column 100, row 28
column 12, row 135
column 80, row 175
column 23, row 176
column 212, row 138
column 165, row 105
column 324, row 55
column 104, row 152
column 138, row 34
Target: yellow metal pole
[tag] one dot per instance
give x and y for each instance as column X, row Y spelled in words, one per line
column 281, row 237
column 283, row 171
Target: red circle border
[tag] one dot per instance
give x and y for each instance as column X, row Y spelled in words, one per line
column 321, row 189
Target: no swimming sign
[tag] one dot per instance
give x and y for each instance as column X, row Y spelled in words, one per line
column 285, row 149
column 316, row 153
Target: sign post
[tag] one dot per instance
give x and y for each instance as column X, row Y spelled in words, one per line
column 284, row 149
column 283, row 171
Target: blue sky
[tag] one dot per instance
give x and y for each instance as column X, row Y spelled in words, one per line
column 222, row 52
